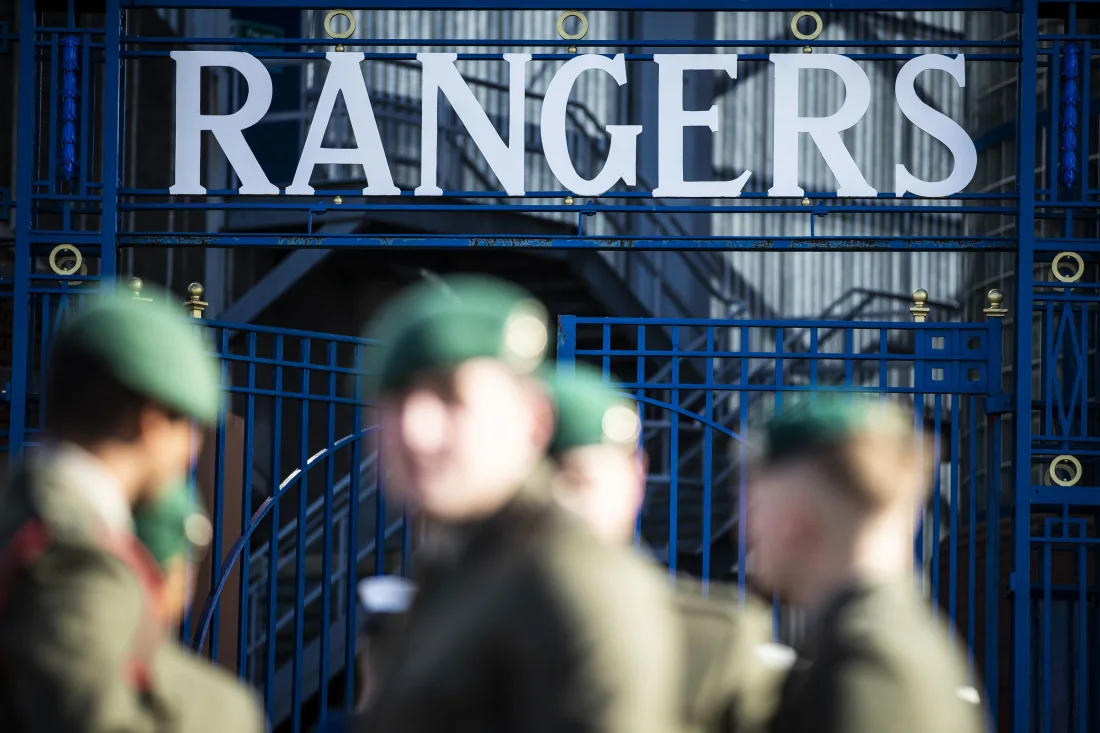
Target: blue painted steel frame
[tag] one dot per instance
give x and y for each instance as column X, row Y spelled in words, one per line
column 716, row 5
column 635, row 204
column 17, row 401
column 1021, row 573
column 1031, row 204
column 952, row 376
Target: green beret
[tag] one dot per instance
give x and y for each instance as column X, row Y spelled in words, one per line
column 441, row 324
column 172, row 525
column 150, row 347
column 589, row 411
column 829, row 422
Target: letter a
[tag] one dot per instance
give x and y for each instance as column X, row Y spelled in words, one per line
column 345, row 77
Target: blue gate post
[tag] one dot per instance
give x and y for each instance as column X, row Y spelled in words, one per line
column 21, row 310
column 997, row 403
column 1025, row 232
column 113, row 93
column 567, row 345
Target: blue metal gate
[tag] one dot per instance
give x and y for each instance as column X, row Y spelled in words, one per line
column 1009, row 545
column 702, row 386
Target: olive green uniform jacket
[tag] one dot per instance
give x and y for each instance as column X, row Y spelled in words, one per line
column 537, row 627
column 877, row 662
column 727, row 685
column 75, row 617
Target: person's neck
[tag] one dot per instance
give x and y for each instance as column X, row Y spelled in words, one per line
column 869, row 555
column 121, row 463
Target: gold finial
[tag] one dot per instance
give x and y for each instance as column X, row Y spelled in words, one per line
column 807, row 49
column 994, row 309
column 338, row 200
column 920, row 308
column 805, row 200
column 568, row 200
column 194, row 302
column 135, row 290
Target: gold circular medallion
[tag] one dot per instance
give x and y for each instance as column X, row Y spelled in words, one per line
column 818, row 25
column 70, row 263
column 1079, row 269
column 1071, row 463
column 582, row 30
column 332, row 15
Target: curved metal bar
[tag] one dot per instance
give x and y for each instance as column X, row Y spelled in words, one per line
column 238, row 547
column 687, row 413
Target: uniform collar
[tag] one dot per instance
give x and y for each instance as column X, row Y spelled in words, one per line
column 73, row 466
column 854, row 593
column 455, row 541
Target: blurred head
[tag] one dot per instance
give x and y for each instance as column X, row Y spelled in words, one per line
column 834, row 495
column 464, row 423
column 459, row 444
column 128, row 380
column 601, row 471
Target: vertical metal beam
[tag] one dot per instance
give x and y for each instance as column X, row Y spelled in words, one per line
column 567, row 345
column 21, row 310
column 112, row 93
column 1025, row 231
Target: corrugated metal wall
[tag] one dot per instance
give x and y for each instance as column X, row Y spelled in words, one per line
column 673, row 284
column 768, row 283
column 394, row 86
column 805, row 283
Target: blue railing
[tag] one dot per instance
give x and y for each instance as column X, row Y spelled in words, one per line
column 289, row 397
column 1030, row 67
column 948, row 374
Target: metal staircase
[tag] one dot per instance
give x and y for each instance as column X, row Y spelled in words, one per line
column 855, row 304
column 305, row 599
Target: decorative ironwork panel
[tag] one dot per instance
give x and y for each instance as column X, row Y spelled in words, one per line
column 1054, row 588
column 512, row 159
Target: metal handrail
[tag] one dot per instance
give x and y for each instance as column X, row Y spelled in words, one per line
column 258, row 642
column 314, row 511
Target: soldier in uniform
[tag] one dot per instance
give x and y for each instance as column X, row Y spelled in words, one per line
column 831, row 517
column 732, row 678
column 173, row 528
column 82, row 647
column 536, row 625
